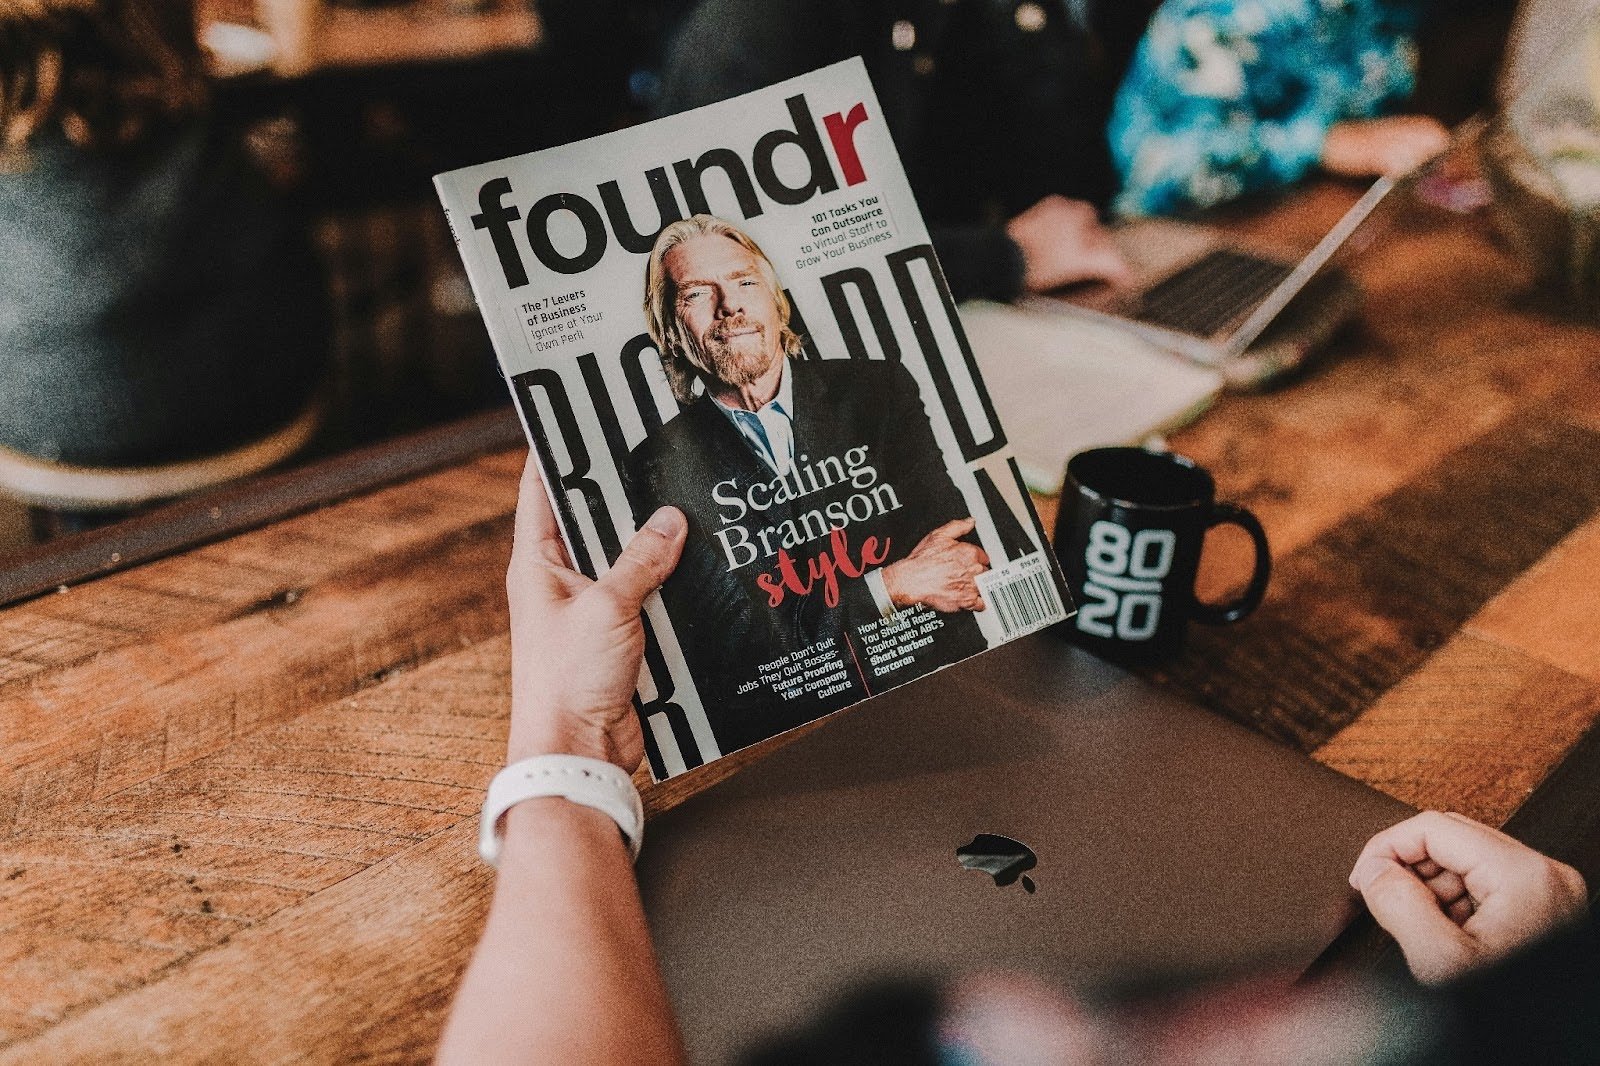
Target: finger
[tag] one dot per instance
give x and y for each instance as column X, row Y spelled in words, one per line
column 954, row 530
column 536, row 534
column 968, row 598
column 1461, row 910
column 968, row 557
column 1435, row 947
column 648, row 558
column 1427, row 869
column 1473, row 851
column 1432, row 137
column 1447, row 887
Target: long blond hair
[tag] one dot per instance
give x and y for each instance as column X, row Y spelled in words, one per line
column 103, row 72
column 661, row 298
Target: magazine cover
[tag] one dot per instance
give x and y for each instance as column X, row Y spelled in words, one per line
column 737, row 311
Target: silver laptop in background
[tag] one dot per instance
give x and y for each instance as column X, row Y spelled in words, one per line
column 1031, row 809
column 1251, row 312
column 1206, row 297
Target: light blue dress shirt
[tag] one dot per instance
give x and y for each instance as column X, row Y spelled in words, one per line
column 770, row 430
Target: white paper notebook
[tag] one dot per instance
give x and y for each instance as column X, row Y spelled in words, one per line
column 1061, row 383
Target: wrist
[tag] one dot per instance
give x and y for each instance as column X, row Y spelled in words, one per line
column 561, row 734
column 537, row 820
column 891, row 585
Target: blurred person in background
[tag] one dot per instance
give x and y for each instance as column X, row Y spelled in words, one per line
column 1229, row 97
column 997, row 108
column 158, row 302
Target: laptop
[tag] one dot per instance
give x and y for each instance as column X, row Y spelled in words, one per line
column 1198, row 294
column 1111, row 833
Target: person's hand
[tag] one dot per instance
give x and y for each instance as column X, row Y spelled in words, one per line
column 1456, row 893
column 940, row 572
column 576, row 644
column 1388, row 147
column 1063, row 242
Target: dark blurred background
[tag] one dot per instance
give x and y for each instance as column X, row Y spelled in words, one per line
column 389, row 94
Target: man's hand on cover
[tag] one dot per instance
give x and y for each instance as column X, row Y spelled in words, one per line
column 941, row 571
column 1457, row 894
column 576, row 644
column 1063, row 242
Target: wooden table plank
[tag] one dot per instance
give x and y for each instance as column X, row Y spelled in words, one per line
column 360, row 972
column 200, row 588
column 1549, row 613
column 196, row 682
column 1476, row 729
column 1357, row 609
column 1486, row 719
column 111, row 895
column 1581, row 401
column 124, row 718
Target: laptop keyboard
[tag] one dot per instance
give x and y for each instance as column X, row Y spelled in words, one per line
column 1211, row 293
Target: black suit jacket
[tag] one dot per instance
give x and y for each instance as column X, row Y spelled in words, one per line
column 722, row 618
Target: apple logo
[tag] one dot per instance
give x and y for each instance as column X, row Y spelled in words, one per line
column 1000, row 857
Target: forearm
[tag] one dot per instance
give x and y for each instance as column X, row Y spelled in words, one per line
column 565, row 971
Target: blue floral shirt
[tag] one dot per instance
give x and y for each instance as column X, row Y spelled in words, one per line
column 1225, row 98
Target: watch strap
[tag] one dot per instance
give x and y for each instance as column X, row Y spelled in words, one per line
column 589, row 782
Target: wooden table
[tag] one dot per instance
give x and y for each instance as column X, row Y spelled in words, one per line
column 313, row 35
column 239, row 784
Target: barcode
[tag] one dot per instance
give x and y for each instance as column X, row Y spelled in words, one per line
column 1022, row 596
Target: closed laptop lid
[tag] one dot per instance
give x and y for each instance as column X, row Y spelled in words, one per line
column 1164, row 839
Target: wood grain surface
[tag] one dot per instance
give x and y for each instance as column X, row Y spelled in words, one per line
column 328, row 860
column 109, row 684
column 238, row 786
column 1362, row 604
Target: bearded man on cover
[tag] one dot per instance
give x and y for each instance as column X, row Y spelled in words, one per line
column 830, row 463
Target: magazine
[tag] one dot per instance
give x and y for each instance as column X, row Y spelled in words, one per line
column 737, row 311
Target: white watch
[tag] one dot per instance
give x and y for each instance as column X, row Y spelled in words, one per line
column 590, row 782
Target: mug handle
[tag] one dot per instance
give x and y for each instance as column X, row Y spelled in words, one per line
column 1217, row 614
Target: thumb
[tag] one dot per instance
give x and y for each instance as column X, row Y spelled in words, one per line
column 1435, row 947
column 648, row 559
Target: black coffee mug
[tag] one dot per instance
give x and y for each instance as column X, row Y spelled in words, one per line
column 1129, row 533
